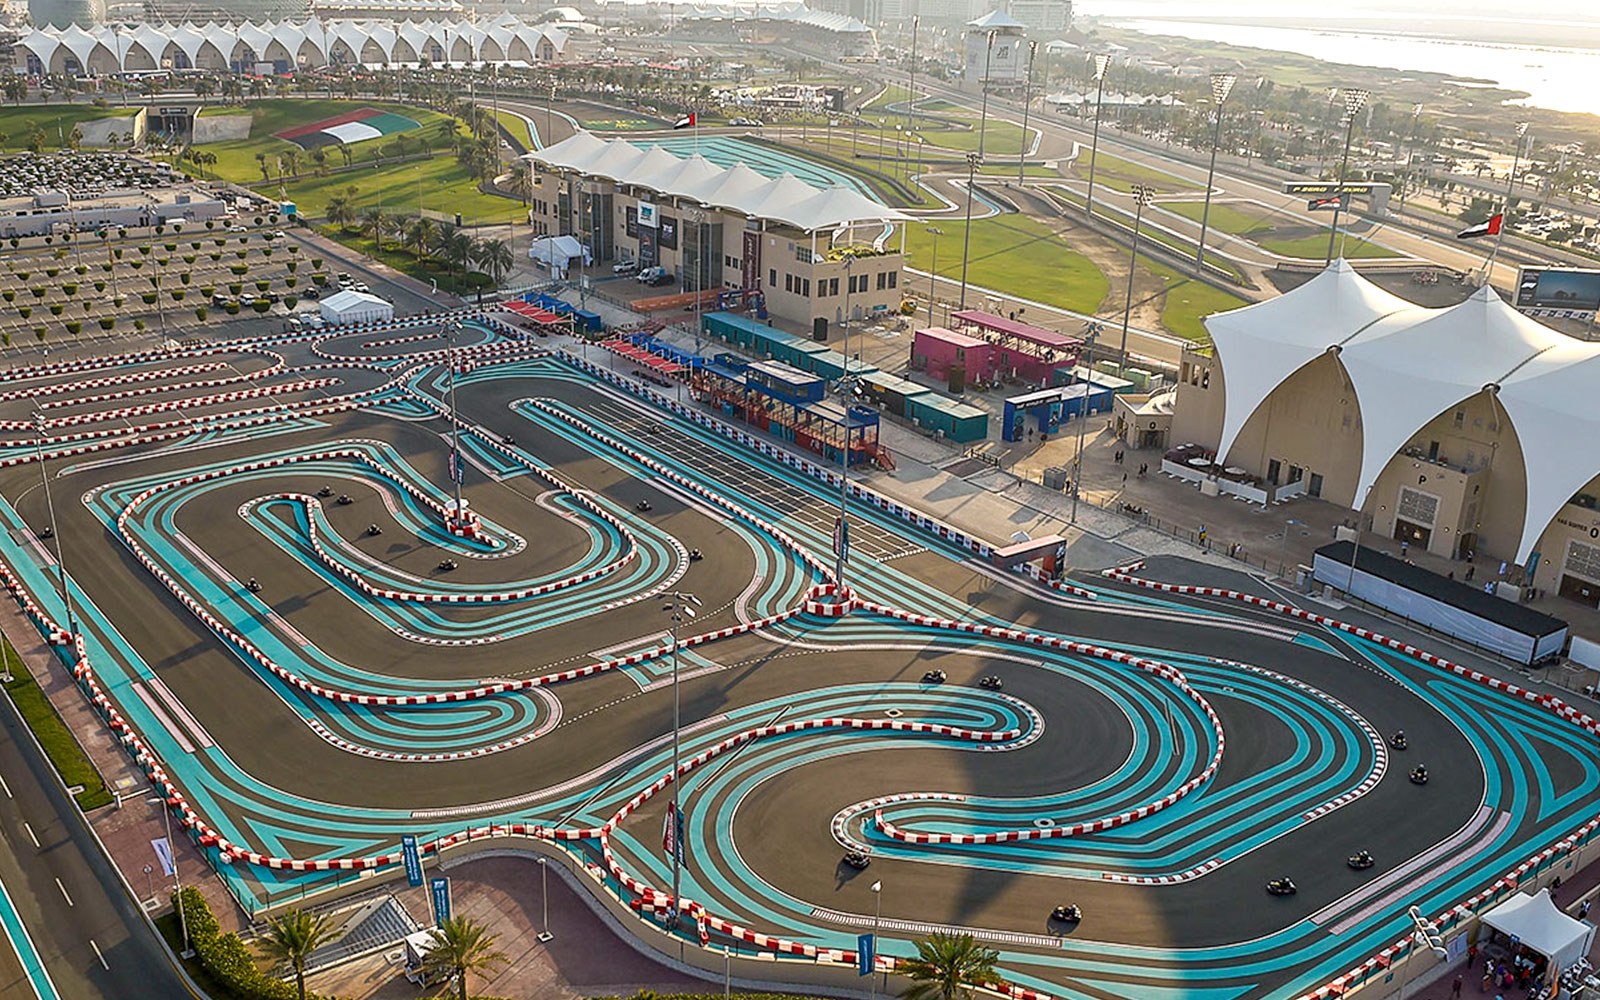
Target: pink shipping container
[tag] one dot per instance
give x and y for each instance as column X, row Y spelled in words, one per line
column 935, row 349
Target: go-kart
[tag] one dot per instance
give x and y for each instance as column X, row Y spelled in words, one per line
column 373, row 529
column 1360, row 861
column 990, row 682
column 857, row 859
column 344, row 500
column 695, row 555
column 933, row 677
column 1068, row 913
column 642, row 505
column 508, row 439
column 47, row 532
column 254, row 586
column 1281, row 887
column 1419, row 775
column 447, row 565
column 1398, row 740
column 325, row 492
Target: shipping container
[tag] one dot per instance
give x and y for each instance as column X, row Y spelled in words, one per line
column 949, row 418
column 890, row 391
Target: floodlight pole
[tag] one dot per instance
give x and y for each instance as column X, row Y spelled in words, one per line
column 911, row 86
column 1221, row 85
column 55, row 531
column 983, row 114
column 459, row 472
column 1091, row 333
column 1027, row 102
column 1143, row 195
column 1511, row 183
column 973, row 159
column 933, row 271
column 847, row 384
column 1101, row 64
column 680, row 608
column 1354, row 101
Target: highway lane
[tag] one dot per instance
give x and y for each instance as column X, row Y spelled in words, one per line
column 90, row 934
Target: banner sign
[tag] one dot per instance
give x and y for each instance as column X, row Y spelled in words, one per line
column 672, row 832
column 647, row 214
column 413, row 859
column 439, row 889
column 163, row 849
column 1328, row 188
column 866, row 954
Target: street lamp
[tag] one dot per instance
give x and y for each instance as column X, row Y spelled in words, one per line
column 681, row 606
column 933, row 271
column 544, row 901
column 458, row 470
column 1091, row 333
column 1027, row 102
column 973, row 160
column 841, row 539
column 1221, row 86
column 911, row 85
column 877, row 916
column 1511, row 183
column 50, row 507
column 983, row 114
column 1102, row 63
column 1354, row 101
column 1143, row 195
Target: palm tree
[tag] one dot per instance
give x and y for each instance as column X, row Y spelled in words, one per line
column 494, row 257
column 460, row 947
column 292, row 937
column 374, row 224
column 947, row 967
column 340, row 212
column 421, row 235
column 261, row 161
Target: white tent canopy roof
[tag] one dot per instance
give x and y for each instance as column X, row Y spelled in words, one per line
column 784, row 199
column 1537, row 923
column 351, row 306
column 1409, row 374
column 1269, row 341
column 1407, row 365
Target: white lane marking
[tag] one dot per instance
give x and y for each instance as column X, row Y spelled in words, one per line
column 97, row 954
column 162, row 717
column 6, row 787
column 64, row 893
column 196, row 730
column 31, row 835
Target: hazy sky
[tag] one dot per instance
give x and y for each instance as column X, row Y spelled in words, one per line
column 1578, row 10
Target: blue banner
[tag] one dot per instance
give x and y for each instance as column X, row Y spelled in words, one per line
column 866, row 954
column 440, row 887
column 413, row 859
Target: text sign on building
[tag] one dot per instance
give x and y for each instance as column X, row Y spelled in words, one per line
column 750, row 260
column 1327, row 189
column 647, row 214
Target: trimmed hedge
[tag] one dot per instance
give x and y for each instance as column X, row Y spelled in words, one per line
column 226, row 960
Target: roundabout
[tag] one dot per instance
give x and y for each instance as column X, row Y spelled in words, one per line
column 307, row 680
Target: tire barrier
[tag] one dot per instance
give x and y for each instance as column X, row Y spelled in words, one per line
column 783, row 456
column 190, row 402
column 276, row 368
column 62, row 388
column 1501, row 886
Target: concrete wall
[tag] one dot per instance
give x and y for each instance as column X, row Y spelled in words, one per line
column 221, row 128
column 97, row 132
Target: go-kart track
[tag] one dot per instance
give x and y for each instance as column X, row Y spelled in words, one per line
column 1152, row 756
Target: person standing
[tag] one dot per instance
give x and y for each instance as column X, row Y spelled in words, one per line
column 1455, row 988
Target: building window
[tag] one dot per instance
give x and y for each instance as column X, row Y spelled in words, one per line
column 1205, row 378
column 833, row 286
column 883, row 280
column 894, row 279
column 788, row 282
column 772, row 277
column 805, row 288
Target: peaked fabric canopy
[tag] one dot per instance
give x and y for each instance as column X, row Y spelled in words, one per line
column 1261, row 345
column 784, row 198
column 1551, row 403
column 1408, row 374
column 1535, row 921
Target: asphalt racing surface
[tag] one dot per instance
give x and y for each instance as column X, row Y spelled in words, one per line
column 313, row 656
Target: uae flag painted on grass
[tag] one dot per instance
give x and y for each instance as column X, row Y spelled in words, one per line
column 1491, row 227
column 687, row 121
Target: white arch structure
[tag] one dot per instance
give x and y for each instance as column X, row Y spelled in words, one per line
column 1408, row 364
column 507, row 40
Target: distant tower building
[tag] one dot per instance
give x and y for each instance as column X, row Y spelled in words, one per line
column 1007, row 62
column 1043, row 16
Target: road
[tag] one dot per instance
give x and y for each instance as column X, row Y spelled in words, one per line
column 90, row 934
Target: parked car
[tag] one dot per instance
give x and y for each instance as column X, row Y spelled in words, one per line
column 625, row 267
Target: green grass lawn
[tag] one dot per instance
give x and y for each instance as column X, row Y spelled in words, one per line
column 892, row 94
column 518, row 127
column 59, row 744
column 1014, row 255
column 1002, row 138
column 1188, row 301
column 1316, row 247
column 57, row 122
column 439, row 183
column 1122, row 175
column 401, row 259
column 1171, row 242
column 236, row 159
column 1223, row 217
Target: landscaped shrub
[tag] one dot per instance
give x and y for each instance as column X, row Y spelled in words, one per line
column 99, row 286
column 74, row 327
column 56, row 308
column 290, row 301
column 208, row 290
column 37, row 291
column 262, row 286
column 201, row 314
column 225, row 958
column 9, row 295
column 294, row 266
column 239, row 268
column 232, row 308
column 80, row 269
column 261, row 305
column 25, row 311
column 107, row 322
column 148, row 298
column 184, row 277
column 138, row 324
column 70, row 288
column 177, row 294
column 51, row 272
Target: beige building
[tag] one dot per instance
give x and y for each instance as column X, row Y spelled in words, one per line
column 810, row 253
column 1465, row 430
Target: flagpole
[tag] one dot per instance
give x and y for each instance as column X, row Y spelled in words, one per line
column 1505, row 211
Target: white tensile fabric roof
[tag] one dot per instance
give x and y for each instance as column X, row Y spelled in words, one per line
column 1539, row 924
column 1278, row 337
column 1407, row 365
column 784, row 198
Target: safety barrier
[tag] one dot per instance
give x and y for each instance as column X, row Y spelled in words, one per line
column 1500, row 886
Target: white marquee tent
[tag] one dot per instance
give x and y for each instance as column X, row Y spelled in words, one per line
column 558, row 252
column 1536, row 922
column 1407, row 365
column 351, row 306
